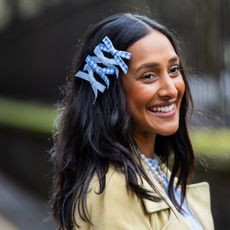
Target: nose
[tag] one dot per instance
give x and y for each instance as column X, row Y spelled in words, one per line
column 167, row 88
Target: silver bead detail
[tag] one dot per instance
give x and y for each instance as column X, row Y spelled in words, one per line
column 156, row 171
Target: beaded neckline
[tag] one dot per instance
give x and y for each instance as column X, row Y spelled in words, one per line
column 160, row 176
column 153, row 166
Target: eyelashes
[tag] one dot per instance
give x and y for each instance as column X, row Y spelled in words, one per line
column 149, row 76
column 173, row 71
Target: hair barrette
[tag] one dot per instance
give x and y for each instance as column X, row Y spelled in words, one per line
column 108, row 66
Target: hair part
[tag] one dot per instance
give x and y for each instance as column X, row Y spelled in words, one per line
column 91, row 137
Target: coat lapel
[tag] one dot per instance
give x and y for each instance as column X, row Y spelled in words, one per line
column 198, row 197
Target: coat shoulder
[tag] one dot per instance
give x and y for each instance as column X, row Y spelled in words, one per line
column 114, row 178
column 116, row 207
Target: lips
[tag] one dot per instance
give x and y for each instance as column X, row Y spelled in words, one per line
column 163, row 109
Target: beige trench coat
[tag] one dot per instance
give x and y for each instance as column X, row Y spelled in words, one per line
column 119, row 209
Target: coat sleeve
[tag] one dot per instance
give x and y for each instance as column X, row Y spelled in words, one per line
column 116, row 208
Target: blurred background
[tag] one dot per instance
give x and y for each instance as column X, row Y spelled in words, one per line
column 38, row 40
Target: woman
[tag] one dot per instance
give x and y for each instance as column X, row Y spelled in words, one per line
column 122, row 125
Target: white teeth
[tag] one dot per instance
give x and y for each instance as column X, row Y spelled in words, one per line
column 165, row 109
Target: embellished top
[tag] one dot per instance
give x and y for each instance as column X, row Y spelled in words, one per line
column 188, row 215
column 127, row 211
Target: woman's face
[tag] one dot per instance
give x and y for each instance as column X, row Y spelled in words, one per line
column 154, row 86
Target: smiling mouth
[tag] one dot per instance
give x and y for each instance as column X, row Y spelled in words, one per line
column 163, row 109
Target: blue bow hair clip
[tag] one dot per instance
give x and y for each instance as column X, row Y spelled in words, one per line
column 110, row 66
column 99, row 70
column 118, row 55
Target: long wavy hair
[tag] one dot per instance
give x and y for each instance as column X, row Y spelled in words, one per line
column 91, row 137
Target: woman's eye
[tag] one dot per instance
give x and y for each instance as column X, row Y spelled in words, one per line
column 149, row 76
column 175, row 70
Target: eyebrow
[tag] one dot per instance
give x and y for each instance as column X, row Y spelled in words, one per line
column 152, row 64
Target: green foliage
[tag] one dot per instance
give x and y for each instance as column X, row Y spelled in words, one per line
column 29, row 116
column 211, row 141
column 212, row 147
column 35, row 117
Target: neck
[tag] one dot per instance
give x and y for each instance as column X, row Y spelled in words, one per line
column 145, row 143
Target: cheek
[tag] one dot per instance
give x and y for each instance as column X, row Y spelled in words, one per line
column 134, row 100
column 180, row 85
column 138, row 97
column 131, row 91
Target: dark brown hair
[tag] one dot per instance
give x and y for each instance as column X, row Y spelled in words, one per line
column 90, row 137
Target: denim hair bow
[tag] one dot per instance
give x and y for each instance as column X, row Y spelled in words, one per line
column 109, row 66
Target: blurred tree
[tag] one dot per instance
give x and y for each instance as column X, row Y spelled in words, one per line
column 40, row 41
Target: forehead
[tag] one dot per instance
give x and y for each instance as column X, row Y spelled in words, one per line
column 154, row 47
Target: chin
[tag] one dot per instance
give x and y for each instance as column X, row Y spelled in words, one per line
column 168, row 132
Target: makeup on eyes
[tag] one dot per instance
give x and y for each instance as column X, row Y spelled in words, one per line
column 155, row 66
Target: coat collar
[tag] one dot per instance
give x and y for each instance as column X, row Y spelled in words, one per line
column 165, row 202
column 197, row 195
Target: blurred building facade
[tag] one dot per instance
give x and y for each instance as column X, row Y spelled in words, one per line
column 38, row 40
